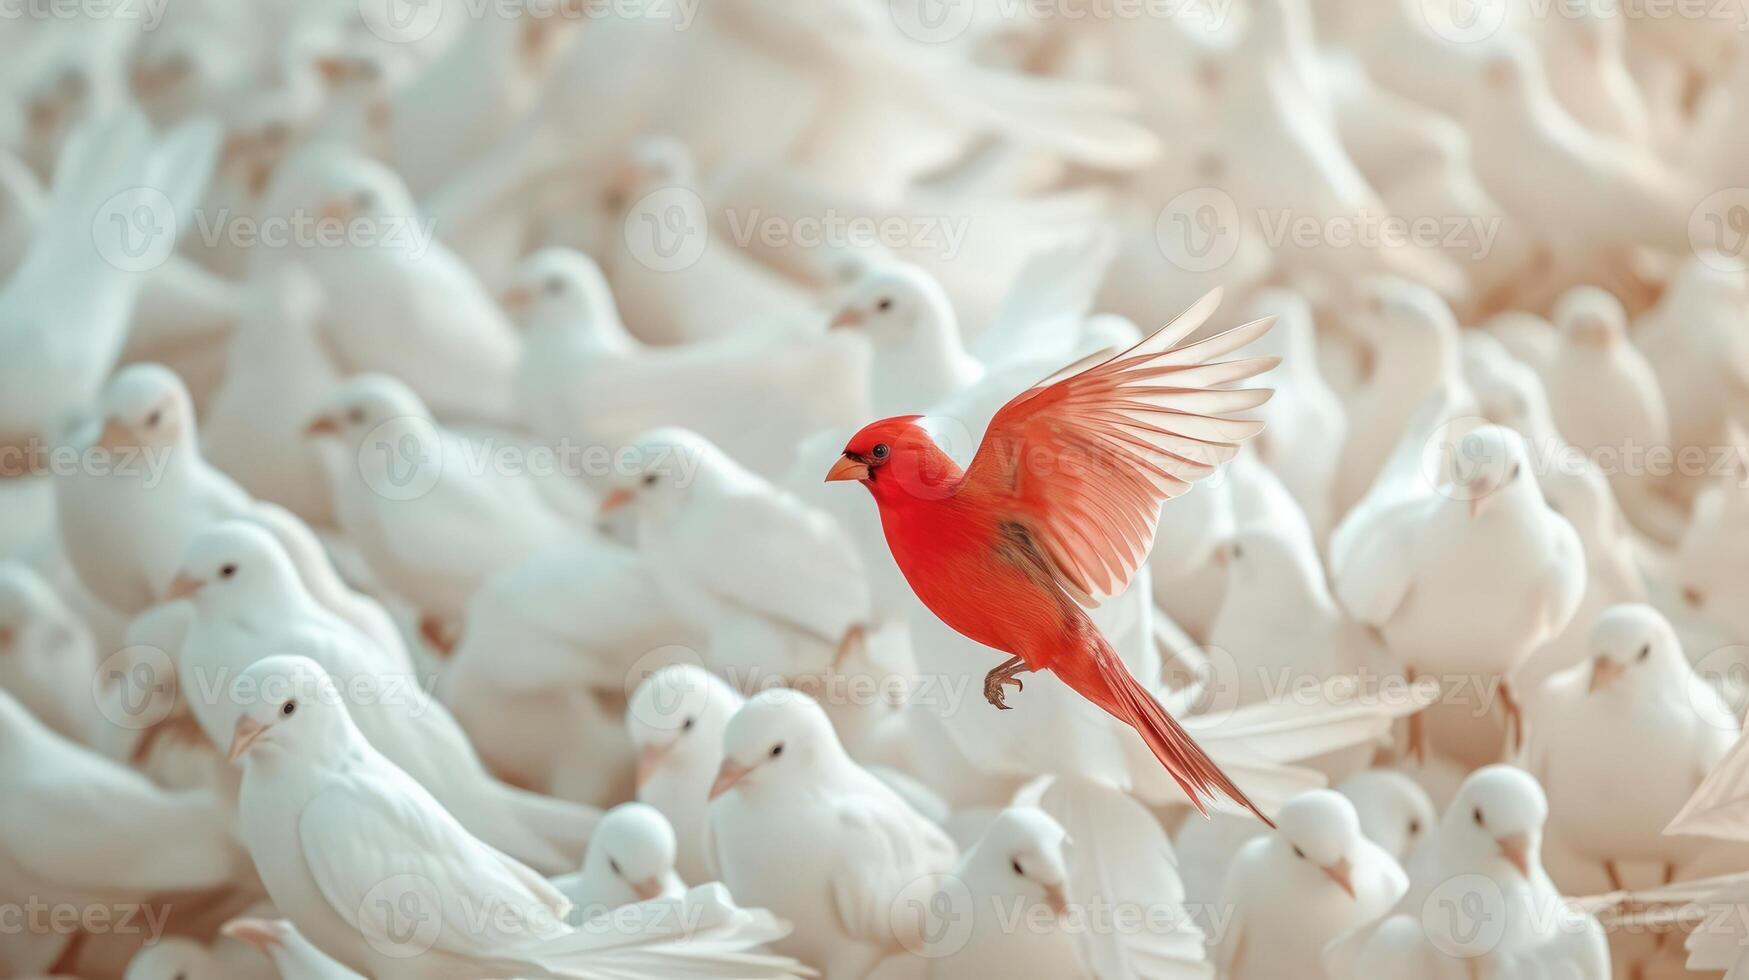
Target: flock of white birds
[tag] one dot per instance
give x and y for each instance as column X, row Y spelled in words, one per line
column 414, row 560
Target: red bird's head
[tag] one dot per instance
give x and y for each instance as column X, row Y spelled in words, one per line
column 896, row 457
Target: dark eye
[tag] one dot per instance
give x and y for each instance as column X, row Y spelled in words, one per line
column 1645, row 651
column 1478, row 816
column 686, row 726
column 777, row 750
column 356, row 416
column 1515, row 468
column 154, row 418
column 1299, row 853
column 274, row 133
column 881, row 450
column 289, row 708
column 363, row 200
column 884, row 305
column 649, row 479
column 1015, row 864
column 554, row 285
column 226, row 571
column 1414, row 827
column 614, row 864
column 1238, row 551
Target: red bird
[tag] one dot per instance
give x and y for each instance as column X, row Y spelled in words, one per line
column 1058, row 509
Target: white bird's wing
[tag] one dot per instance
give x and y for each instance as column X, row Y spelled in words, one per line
column 390, row 860
column 1720, row 807
column 1118, row 854
column 701, row 934
column 886, row 846
column 1041, row 317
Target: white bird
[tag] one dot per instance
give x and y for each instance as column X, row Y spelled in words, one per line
column 630, row 858
column 293, row 956
column 398, row 300
column 1395, row 812
column 248, row 603
column 1015, row 874
column 1710, row 556
column 379, row 876
column 21, row 200
column 182, row 958
column 124, row 525
column 798, row 827
column 726, row 545
column 676, row 719
column 1304, row 425
column 432, row 512
column 1415, row 563
column 1479, row 900
column 584, row 379
column 48, row 657
column 1639, row 707
column 1587, row 73
column 64, row 313
column 1294, row 891
column 77, row 828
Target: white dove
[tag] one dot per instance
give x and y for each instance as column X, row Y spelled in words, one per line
column 78, row 828
column 1637, row 706
column 124, row 525
column 1417, row 562
column 397, row 299
column 1479, row 900
column 630, row 858
column 798, row 827
column 48, row 657
column 249, row 603
column 1395, row 812
column 64, row 313
column 1292, row 892
column 293, row 956
column 725, row 544
column 379, row 876
column 676, row 719
column 20, row 202
column 584, row 379
column 1305, row 426
column 432, row 512
column 1015, row 873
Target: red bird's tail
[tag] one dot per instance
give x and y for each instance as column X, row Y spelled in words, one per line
column 1103, row 679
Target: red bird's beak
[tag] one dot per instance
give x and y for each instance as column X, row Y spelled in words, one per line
column 847, row 469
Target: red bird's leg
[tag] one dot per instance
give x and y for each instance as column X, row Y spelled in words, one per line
column 1004, row 674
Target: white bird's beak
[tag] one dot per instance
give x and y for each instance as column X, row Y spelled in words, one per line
column 616, row 499
column 322, row 425
column 516, row 299
column 256, row 932
column 731, row 773
column 650, row 759
column 114, row 435
column 1055, row 898
column 1516, row 848
column 647, row 889
column 847, row 317
column 183, row 586
column 1603, row 670
column 245, row 734
column 1342, row 873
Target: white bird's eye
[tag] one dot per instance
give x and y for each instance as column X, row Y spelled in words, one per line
column 1645, row 651
column 554, row 285
column 614, row 864
column 1015, row 864
column 649, row 480
column 686, row 726
column 1515, row 468
column 227, row 570
column 289, row 708
column 355, row 416
column 1414, row 827
column 363, row 200
column 1299, row 853
column 777, row 750
column 154, row 418
column 1478, row 815
column 884, row 304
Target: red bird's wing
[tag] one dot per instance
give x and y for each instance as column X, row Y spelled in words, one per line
column 1088, row 455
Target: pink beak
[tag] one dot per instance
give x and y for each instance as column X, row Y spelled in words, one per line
column 114, row 436
column 256, row 932
column 647, row 889
column 322, row 425
column 247, row 731
column 616, row 499
column 1516, row 849
column 1056, row 900
column 516, row 299
column 182, row 587
column 730, row 774
column 1603, row 670
column 1342, row 874
column 649, row 760
column 846, row 318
